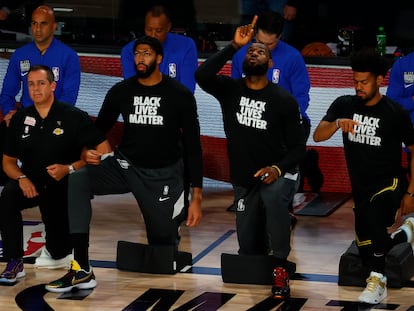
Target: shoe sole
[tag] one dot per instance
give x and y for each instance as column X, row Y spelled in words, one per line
column 280, row 297
column 51, row 267
column 383, row 296
column 19, row 276
column 8, row 282
column 57, row 265
column 90, row 285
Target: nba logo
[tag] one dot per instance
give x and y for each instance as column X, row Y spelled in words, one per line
column 56, row 73
column 275, row 76
column 240, row 205
column 24, row 67
column 172, row 69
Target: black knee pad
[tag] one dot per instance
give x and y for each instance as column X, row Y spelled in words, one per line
column 399, row 266
column 159, row 259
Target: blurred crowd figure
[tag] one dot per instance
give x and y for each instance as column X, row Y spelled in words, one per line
column 286, row 8
column 16, row 14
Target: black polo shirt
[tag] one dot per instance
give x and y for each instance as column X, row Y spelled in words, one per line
column 58, row 138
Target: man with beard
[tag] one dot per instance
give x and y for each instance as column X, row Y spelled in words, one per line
column 289, row 72
column 160, row 128
column 374, row 128
column 265, row 141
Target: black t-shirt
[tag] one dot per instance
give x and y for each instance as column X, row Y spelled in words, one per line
column 58, row 138
column 374, row 153
column 263, row 127
column 160, row 124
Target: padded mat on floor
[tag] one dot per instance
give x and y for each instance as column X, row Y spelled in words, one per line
column 319, row 204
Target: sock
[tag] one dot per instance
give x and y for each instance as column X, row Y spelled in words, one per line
column 399, row 237
column 280, row 262
column 80, row 243
column 377, row 263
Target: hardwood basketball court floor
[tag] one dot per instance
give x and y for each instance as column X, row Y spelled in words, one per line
column 317, row 245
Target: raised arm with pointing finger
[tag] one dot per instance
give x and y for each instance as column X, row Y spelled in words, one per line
column 265, row 143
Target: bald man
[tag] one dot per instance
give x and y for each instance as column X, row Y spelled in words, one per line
column 45, row 49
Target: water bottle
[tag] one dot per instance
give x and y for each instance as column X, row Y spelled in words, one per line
column 381, row 47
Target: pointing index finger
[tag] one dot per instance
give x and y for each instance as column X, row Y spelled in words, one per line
column 253, row 23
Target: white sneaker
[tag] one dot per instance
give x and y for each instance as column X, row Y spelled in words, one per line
column 45, row 260
column 298, row 199
column 408, row 228
column 376, row 289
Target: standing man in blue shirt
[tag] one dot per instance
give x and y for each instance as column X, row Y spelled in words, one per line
column 401, row 87
column 45, row 49
column 401, row 83
column 180, row 59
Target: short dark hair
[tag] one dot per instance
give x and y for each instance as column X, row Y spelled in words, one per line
column 158, row 10
column 270, row 22
column 49, row 73
column 367, row 60
column 154, row 43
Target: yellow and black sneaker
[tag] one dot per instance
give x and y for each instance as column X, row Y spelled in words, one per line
column 75, row 278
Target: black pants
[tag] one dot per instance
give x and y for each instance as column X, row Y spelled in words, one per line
column 3, row 128
column 52, row 201
column 159, row 193
column 374, row 213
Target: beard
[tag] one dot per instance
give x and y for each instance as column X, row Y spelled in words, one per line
column 149, row 70
column 254, row 70
column 364, row 98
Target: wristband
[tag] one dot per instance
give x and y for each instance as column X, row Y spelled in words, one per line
column 21, row 177
column 410, row 194
column 277, row 169
column 337, row 123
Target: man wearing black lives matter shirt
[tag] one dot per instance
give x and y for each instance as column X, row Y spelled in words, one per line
column 266, row 143
column 161, row 130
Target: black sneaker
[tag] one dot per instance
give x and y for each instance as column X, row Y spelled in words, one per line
column 14, row 270
column 280, row 288
column 75, row 278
